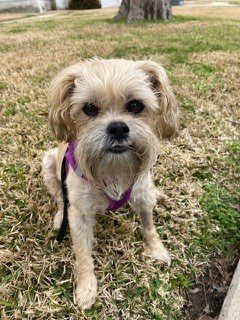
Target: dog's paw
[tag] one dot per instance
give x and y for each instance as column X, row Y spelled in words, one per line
column 86, row 291
column 158, row 252
column 161, row 197
column 57, row 221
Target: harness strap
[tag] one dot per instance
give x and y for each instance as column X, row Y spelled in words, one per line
column 64, row 224
column 69, row 160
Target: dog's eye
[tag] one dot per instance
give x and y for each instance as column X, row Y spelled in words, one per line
column 90, row 109
column 135, row 106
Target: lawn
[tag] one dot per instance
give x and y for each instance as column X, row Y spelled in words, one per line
column 199, row 172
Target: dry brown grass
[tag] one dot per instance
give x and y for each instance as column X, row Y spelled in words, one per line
column 199, row 172
column 213, row 12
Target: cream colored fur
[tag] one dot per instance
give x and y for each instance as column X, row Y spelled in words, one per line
column 109, row 84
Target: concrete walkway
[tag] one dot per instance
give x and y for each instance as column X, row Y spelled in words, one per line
column 231, row 305
column 28, row 16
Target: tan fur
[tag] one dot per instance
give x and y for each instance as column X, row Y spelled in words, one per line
column 108, row 84
column 166, row 124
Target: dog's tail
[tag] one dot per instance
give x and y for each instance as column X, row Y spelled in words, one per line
column 49, row 172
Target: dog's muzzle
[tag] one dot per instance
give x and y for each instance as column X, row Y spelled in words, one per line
column 118, row 132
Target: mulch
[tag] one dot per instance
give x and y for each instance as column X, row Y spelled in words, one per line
column 205, row 298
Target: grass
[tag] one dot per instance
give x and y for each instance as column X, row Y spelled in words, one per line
column 237, row 2
column 199, row 171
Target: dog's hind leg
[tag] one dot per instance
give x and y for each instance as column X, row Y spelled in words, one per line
column 50, row 177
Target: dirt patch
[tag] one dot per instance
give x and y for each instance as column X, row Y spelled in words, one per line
column 205, row 298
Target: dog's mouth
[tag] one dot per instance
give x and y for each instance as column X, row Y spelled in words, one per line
column 118, row 149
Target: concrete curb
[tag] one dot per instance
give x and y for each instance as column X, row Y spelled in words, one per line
column 231, row 306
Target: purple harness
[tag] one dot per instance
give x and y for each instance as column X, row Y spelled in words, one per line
column 70, row 160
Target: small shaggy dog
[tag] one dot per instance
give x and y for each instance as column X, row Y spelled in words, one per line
column 108, row 116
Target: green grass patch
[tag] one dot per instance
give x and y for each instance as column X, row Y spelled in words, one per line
column 10, row 109
column 7, row 47
column 19, row 29
column 24, row 100
column 3, row 86
column 220, row 206
column 46, row 25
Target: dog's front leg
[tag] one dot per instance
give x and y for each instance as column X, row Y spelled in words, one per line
column 155, row 248
column 143, row 201
column 81, row 228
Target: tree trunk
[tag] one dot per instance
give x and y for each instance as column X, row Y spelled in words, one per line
column 144, row 9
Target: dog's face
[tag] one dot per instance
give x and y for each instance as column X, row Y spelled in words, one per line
column 117, row 110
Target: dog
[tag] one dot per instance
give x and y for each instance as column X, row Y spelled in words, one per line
column 112, row 114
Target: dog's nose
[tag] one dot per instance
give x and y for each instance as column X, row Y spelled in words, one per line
column 118, row 130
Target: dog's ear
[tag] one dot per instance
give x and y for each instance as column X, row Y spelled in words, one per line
column 166, row 124
column 61, row 91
